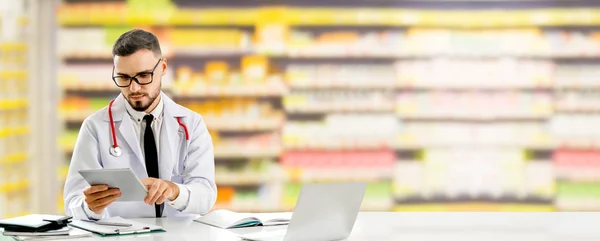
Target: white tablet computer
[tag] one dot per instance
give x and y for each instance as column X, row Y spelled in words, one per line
column 131, row 187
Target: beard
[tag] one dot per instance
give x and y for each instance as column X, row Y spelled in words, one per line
column 143, row 104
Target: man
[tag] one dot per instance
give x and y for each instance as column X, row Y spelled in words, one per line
column 166, row 145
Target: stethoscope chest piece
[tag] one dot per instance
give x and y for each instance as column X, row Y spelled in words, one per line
column 115, row 151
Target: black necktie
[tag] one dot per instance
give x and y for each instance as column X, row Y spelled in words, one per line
column 151, row 156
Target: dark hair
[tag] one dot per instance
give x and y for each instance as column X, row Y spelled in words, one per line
column 134, row 40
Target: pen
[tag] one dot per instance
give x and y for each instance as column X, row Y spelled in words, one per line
column 109, row 223
column 143, row 230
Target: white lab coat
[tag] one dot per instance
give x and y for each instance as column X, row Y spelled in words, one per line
column 188, row 162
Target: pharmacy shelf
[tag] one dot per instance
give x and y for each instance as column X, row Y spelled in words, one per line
column 76, row 117
column 194, row 53
column 62, row 173
column 578, row 143
column 244, row 179
column 324, row 109
column 334, row 177
column 356, row 144
column 14, row 186
column 576, row 110
column 72, row 15
column 391, row 57
column 474, row 119
column 532, row 89
column 104, row 55
column 224, row 152
column 407, row 146
column 13, row 104
column 474, row 207
column 201, row 91
column 467, row 199
column 14, row 131
column 14, row 74
column 323, row 85
column 14, row 158
column 231, row 124
column 109, row 89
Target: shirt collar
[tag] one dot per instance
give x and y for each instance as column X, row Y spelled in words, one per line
column 139, row 115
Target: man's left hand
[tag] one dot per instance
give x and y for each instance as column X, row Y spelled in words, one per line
column 159, row 190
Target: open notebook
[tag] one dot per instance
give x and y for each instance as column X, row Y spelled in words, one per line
column 229, row 219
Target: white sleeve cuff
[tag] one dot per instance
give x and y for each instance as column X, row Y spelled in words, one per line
column 90, row 213
column 181, row 202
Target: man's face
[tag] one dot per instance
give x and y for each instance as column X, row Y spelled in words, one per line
column 140, row 64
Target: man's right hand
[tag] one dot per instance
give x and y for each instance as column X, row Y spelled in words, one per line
column 98, row 197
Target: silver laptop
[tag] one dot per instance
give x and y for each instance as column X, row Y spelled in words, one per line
column 322, row 212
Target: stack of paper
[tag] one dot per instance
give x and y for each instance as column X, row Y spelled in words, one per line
column 64, row 233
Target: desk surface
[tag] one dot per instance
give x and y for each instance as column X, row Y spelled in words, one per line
column 414, row 227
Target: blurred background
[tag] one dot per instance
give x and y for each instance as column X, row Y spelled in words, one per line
column 438, row 105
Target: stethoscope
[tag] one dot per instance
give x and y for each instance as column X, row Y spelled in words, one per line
column 115, row 150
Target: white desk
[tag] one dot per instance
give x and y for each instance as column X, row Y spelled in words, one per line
column 415, row 227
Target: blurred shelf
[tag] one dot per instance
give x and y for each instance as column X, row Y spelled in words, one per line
column 73, row 15
column 589, row 204
column 13, row 104
column 231, row 124
column 243, row 179
column 242, row 152
column 14, row 131
column 62, row 173
column 406, row 88
column 14, row 74
column 330, row 85
column 475, row 207
column 439, row 199
column 391, row 57
column 91, row 90
column 578, row 144
column 579, row 177
column 14, row 158
column 88, row 56
column 357, row 144
column 202, row 91
column 578, row 88
column 569, row 110
column 76, row 117
column 532, row 146
column 331, row 177
column 324, row 109
column 375, row 207
column 14, row 186
column 533, row 118
column 13, row 46
column 209, row 53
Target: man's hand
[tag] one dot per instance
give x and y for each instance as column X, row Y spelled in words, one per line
column 98, row 197
column 159, row 190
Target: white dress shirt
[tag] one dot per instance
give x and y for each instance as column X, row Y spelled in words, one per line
column 181, row 202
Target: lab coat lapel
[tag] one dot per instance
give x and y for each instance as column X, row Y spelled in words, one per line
column 168, row 143
column 170, row 137
column 129, row 135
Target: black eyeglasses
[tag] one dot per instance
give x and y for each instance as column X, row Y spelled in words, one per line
column 142, row 78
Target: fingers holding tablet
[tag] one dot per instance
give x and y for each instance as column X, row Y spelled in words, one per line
column 98, row 197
